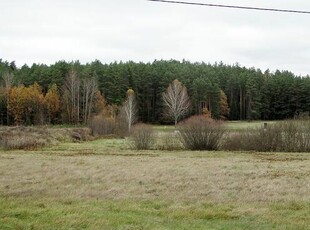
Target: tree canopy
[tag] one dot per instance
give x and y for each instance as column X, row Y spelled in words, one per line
column 250, row 93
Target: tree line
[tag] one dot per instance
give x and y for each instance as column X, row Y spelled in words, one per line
column 249, row 93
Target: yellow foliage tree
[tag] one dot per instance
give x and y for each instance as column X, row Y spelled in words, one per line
column 34, row 104
column 26, row 104
column 16, row 103
column 100, row 103
column 206, row 113
column 52, row 102
column 224, row 110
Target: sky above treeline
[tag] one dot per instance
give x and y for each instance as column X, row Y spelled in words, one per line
column 46, row 31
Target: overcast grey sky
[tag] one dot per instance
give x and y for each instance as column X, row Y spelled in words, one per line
column 45, row 31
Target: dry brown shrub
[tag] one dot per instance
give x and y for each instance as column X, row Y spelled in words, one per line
column 284, row 136
column 142, row 137
column 24, row 137
column 101, row 125
column 29, row 137
column 200, row 133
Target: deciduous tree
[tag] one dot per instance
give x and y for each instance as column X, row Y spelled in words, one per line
column 52, row 102
column 176, row 100
column 224, row 110
column 130, row 109
column 71, row 98
column 16, row 103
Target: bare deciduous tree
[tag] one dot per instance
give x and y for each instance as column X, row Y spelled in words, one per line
column 5, row 88
column 130, row 109
column 89, row 89
column 71, row 97
column 7, row 80
column 176, row 100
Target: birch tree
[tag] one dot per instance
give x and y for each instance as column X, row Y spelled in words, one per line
column 130, row 109
column 71, row 97
column 7, row 84
column 89, row 89
column 176, row 100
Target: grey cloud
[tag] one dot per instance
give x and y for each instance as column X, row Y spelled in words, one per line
column 47, row 31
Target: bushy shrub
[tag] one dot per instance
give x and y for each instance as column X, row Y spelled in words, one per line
column 284, row 136
column 22, row 142
column 201, row 133
column 80, row 134
column 142, row 137
column 23, row 137
column 28, row 137
column 101, row 125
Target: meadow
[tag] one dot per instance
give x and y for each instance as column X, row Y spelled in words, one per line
column 104, row 184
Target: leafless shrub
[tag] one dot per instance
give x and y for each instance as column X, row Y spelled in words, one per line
column 121, row 124
column 24, row 138
column 296, row 135
column 101, row 125
column 142, row 137
column 81, row 134
column 200, row 133
column 22, row 142
column 28, row 138
column 284, row 136
column 233, row 141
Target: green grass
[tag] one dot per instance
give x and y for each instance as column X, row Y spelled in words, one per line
column 244, row 125
column 143, row 214
column 228, row 125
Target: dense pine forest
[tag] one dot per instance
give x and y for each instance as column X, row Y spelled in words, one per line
column 251, row 93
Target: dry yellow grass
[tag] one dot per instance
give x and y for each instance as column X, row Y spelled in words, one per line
column 184, row 176
column 104, row 185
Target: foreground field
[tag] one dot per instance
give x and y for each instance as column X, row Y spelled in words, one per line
column 104, row 185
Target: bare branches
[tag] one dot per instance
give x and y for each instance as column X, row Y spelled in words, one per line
column 176, row 99
column 71, row 96
column 7, row 80
column 89, row 86
column 130, row 109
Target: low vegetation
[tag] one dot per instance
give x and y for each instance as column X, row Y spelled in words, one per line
column 103, row 184
column 29, row 138
column 142, row 137
column 284, row 136
column 57, row 180
column 200, row 133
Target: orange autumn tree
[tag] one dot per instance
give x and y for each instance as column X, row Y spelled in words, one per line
column 26, row 104
column 34, row 104
column 224, row 110
column 100, row 103
column 16, row 103
column 52, row 103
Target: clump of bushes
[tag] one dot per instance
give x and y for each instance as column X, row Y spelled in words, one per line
column 101, row 125
column 284, row 136
column 142, row 137
column 24, row 137
column 29, row 138
column 201, row 133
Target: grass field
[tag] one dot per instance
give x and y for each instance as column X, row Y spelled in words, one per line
column 102, row 184
column 228, row 125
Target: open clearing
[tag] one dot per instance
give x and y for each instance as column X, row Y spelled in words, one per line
column 103, row 184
